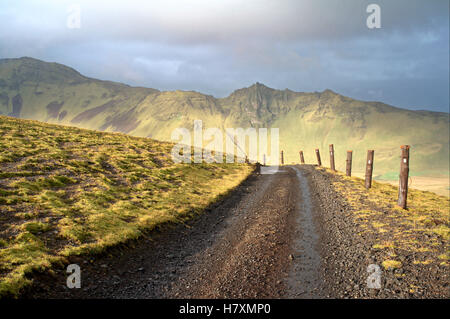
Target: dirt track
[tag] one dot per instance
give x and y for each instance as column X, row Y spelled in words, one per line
column 286, row 235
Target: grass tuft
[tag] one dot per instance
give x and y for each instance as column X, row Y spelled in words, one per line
column 391, row 264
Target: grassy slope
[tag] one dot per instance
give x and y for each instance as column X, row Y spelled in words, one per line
column 306, row 120
column 41, row 84
column 422, row 231
column 65, row 191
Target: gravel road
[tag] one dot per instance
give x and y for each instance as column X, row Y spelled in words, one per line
column 286, row 235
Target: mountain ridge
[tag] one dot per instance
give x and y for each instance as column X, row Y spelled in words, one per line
column 253, row 85
column 54, row 93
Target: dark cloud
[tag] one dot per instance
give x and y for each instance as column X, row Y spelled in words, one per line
column 218, row 46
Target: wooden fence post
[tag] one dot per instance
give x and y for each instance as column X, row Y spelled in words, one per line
column 282, row 158
column 302, row 159
column 332, row 158
column 319, row 162
column 404, row 174
column 369, row 168
column 348, row 168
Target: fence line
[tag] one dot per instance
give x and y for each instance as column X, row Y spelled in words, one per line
column 403, row 176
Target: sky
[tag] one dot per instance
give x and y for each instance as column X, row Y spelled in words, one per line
column 216, row 47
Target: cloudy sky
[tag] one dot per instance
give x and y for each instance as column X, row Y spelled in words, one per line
column 216, row 47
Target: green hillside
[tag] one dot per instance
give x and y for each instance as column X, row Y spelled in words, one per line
column 66, row 191
column 54, row 93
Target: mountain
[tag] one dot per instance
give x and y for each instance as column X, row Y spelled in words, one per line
column 55, row 93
